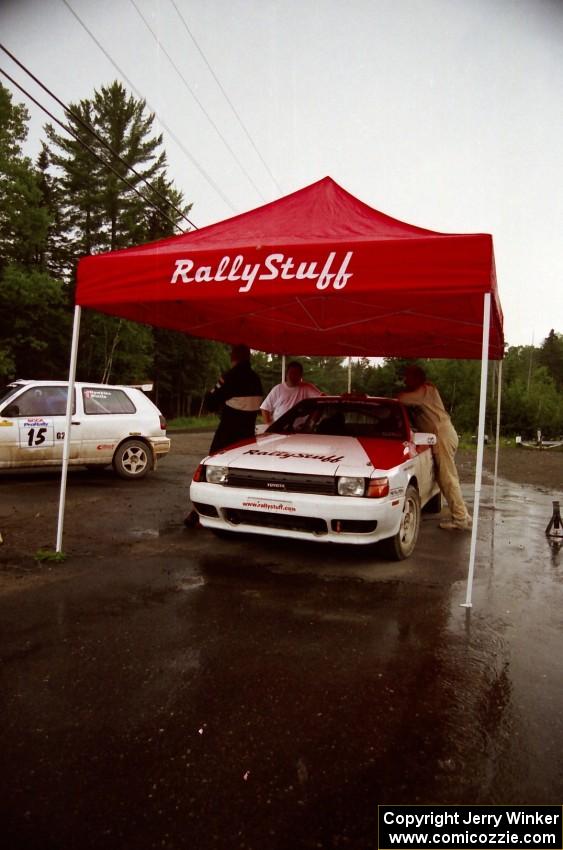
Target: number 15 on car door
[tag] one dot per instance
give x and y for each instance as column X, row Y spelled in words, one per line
column 36, row 432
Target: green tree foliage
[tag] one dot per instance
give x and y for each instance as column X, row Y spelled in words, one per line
column 327, row 373
column 100, row 212
column 184, row 369
column 551, row 356
column 114, row 350
column 531, row 399
column 33, row 317
column 32, row 304
column 57, row 248
column 269, row 368
column 23, row 219
column 383, row 380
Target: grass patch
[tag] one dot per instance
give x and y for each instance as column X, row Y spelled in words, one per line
column 50, row 556
column 193, row 423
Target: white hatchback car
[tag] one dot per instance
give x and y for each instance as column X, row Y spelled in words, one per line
column 110, row 424
column 337, row 469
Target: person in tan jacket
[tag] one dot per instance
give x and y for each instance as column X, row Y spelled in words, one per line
column 431, row 416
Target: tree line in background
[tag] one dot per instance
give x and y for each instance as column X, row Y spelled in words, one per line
column 68, row 204
column 532, row 385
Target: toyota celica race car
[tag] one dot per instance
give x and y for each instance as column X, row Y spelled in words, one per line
column 336, row 469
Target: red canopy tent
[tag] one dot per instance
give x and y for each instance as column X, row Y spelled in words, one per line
column 315, row 272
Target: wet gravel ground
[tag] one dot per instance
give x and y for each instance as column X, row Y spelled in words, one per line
column 166, row 689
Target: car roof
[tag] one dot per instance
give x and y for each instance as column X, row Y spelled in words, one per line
column 21, row 382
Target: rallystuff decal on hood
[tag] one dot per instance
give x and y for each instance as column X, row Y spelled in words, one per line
column 315, row 454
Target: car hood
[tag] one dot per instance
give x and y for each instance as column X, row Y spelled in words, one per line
column 315, row 454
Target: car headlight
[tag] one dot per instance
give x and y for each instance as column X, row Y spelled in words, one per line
column 216, row 474
column 348, row 486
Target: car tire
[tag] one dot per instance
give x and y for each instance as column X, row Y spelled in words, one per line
column 402, row 545
column 132, row 459
column 433, row 505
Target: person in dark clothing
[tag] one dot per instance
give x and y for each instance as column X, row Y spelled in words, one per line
column 237, row 396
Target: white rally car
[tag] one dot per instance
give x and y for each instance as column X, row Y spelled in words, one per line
column 337, row 469
column 110, row 424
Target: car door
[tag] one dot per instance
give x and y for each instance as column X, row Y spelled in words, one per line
column 34, row 421
column 9, row 438
column 109, row 417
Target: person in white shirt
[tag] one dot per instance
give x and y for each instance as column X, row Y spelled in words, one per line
column 286, row 395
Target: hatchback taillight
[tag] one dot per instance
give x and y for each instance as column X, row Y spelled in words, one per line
column 162, row 422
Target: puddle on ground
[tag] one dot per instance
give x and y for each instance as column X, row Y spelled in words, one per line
column 155, row 533
column 190, row 583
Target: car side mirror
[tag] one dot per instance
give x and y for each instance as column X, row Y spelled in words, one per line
column 422, row 439
column 11, row 410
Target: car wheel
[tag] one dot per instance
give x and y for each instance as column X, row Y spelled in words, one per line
column 402, row 544
column 132, row 459
column 433, row 505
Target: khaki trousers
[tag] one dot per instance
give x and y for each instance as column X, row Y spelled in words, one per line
column 446, row 472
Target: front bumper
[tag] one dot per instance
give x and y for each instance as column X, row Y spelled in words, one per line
column 303, row 516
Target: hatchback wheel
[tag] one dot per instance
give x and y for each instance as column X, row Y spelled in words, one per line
column 132, row 459
column 402, row 544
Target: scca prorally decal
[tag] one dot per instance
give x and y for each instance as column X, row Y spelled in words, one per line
column 233, row 269
column 287, row 455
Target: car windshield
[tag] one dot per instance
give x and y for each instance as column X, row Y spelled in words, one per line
column 9, row 391
column 343, row 419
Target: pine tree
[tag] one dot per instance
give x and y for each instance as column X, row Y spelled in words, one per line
column 551, row 356
column 99, row 212
column 23, row 218
column 33, row 319
column 102, row 211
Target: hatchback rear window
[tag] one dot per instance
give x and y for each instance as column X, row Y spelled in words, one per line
column 100, row 401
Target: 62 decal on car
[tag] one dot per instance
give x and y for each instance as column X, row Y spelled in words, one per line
column 36, row 433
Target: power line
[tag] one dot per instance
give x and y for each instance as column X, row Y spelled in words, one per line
column 91, row 130
column 90, row 150
column 226, row 96
column 197, row 100
column 165, row 126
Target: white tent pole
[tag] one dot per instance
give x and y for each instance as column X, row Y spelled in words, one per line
column 480, row 444
column 350, row 374
column 283, row 368
column 68, row 425
column 499, row 394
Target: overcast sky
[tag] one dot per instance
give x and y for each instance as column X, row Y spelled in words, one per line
column 447, row 114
